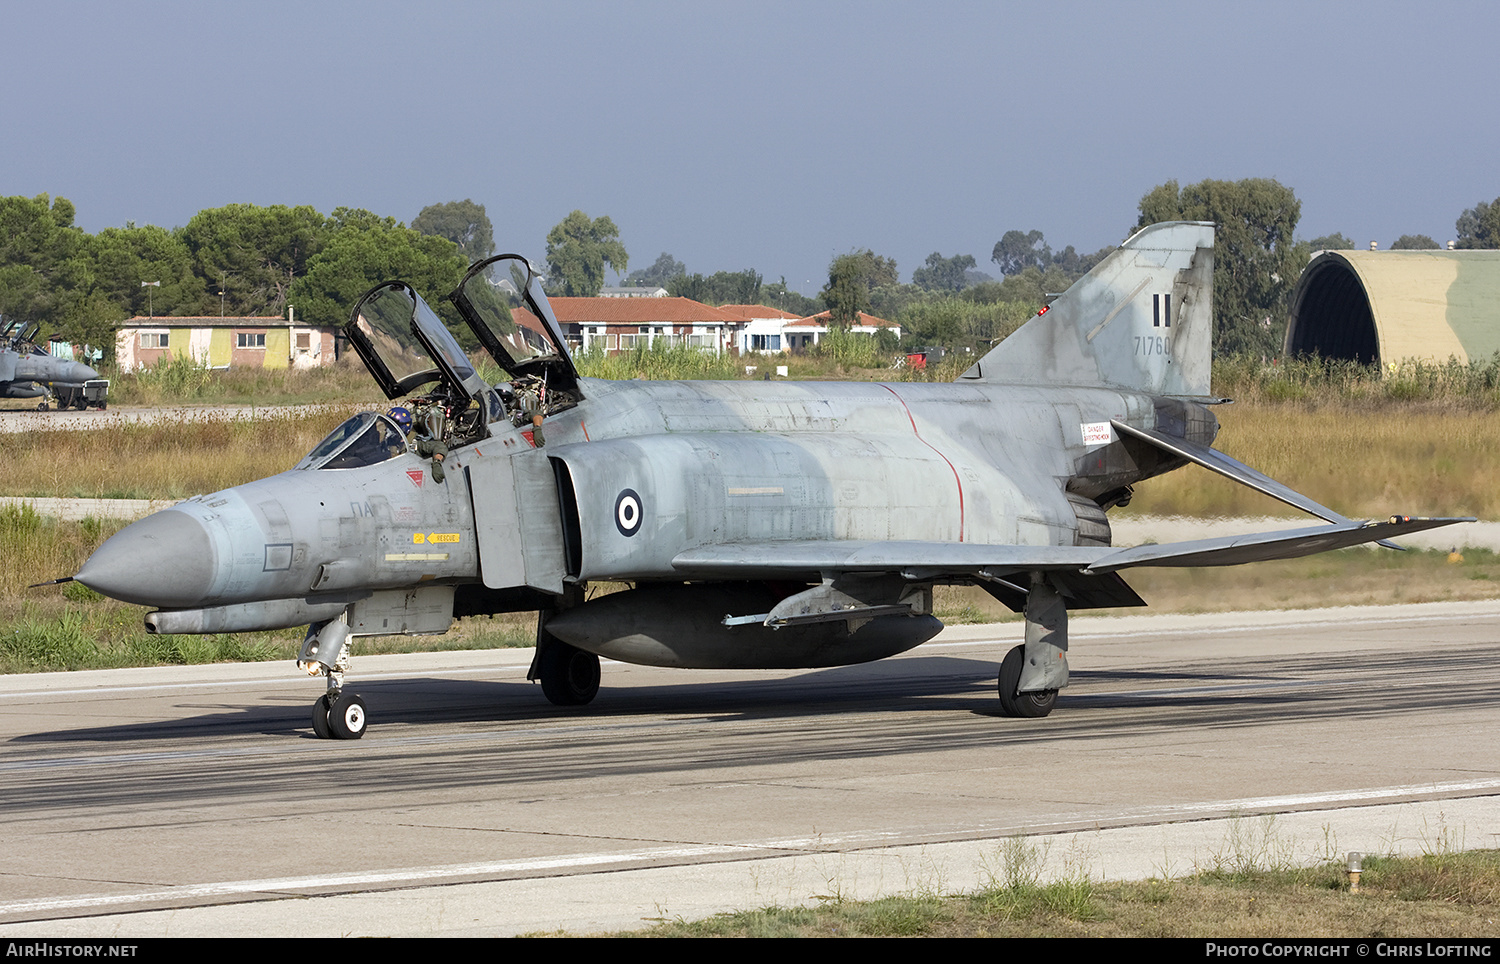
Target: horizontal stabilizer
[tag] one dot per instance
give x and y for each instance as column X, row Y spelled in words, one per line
column 1216, row 461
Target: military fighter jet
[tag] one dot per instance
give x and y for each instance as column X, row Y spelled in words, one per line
column 758, row 525
column 28, row 372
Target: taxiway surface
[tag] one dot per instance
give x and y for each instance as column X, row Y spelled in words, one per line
column 194, row 800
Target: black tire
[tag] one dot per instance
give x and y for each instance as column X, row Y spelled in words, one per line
column 1025, row 705
column 569, row 675
column 320, row 719
column 347, row 717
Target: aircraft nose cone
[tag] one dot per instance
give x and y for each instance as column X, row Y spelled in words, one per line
column 78, row 372
column 165, row 560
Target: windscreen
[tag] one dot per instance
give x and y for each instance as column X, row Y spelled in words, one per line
column 364, row 439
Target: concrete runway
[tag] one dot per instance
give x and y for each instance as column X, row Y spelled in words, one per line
column 194, row 800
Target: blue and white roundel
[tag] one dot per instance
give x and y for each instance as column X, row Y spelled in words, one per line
column 628, row 513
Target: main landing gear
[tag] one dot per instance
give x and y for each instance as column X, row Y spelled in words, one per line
column 336, row 715
column 569, row 675
column 1031, row 674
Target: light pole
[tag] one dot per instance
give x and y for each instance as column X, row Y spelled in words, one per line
column 148, row 285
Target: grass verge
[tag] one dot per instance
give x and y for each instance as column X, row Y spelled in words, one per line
column 1436, row 895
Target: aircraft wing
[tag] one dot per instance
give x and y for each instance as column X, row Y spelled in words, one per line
column 926, row 559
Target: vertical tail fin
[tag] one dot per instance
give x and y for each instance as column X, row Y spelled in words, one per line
column 1142, row 320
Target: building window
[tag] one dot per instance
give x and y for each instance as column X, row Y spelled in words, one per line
column 153, row 339
column 304, row 341
column 250, row 339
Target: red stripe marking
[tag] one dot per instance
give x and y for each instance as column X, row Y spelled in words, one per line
column 956, row 479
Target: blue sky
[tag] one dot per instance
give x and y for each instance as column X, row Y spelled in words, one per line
column 766, row 135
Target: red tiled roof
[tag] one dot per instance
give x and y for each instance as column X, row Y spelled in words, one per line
column 751, row 312
column 636, row 311
column 824, row 317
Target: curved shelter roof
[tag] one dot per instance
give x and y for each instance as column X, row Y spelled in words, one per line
column 1391, row 306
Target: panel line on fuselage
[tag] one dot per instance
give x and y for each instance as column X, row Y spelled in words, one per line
column 957, row 481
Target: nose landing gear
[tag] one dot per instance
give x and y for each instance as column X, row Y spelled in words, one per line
column 339, row 716
column 336, row 715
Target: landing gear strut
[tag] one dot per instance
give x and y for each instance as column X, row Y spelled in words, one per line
column 1031, row 674
column 336, row 715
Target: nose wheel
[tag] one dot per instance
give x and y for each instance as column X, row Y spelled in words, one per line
column 339, row 716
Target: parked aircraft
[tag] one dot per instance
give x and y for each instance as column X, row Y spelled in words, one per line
column 28, row 372
column 759, row 525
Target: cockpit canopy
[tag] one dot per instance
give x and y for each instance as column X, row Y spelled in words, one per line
column 501, row 298
column 406, row 345
column 364, row 439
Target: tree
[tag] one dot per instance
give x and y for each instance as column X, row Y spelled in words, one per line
column 1331, row 242
column 462, row 222
column 1479, row 226
column 577, row 251
column 879, row 272
column 1256, row 262
column 359, row 219
column 1414, row 242
column 1017, row 250
column 43, row 263
column 356, row 259
column 720, row 288
column 944, row 274
column 123, row 258
column 848, row 290
column 1076, row 265
column 257, row 251
column 659, row 275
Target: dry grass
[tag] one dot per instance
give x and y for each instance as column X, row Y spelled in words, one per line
column 1443, row 896
column 1406, row 458
column 130, row 460
column 1417, row 458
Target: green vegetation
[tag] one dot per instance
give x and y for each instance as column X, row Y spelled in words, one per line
column 1320, row 382
column 659, row 361
column 1441, row 894
column 462, row 222
column 240, row 259
column 578, row 248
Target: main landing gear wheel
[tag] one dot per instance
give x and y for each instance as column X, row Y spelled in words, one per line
column 569, row 675
column 1012, row 703
column 339, row 717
